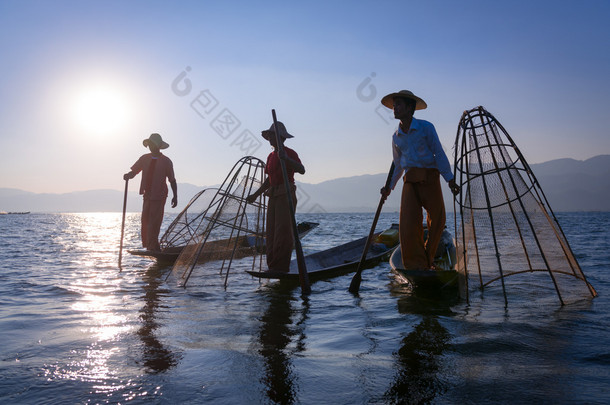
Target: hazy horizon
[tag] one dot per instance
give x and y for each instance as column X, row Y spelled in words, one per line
column 570, row 185
column 136, row 180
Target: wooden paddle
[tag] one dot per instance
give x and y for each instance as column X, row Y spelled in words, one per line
column 303, row 277
column 123, row 223
column 355, row 284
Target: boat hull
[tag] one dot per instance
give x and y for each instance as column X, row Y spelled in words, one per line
column 445, row 276
column 336, row 261
column 247, row 246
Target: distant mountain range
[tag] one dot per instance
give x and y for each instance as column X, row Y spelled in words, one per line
column 569, row 185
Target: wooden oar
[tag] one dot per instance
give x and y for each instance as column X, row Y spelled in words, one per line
column 303, row 277
column 123, row 223
column 355, row 284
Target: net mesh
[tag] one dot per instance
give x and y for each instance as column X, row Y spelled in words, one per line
column 218, row 227
column 188, row 223
column 506, row 226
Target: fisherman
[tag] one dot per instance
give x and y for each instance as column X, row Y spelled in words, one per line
column 279, row 239
column 417, row 152
column 155, row 168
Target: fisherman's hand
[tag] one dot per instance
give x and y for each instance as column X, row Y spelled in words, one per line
column 455, row 189
column 385, row 192
column 174, row 202
column 127, row 176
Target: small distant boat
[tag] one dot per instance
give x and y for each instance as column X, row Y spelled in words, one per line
column 247, row 245
column 445, row 275
column 340, row 259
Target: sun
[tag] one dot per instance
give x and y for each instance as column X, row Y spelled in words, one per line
column 100, row 110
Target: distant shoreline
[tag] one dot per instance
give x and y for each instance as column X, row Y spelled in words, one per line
column 569, row 185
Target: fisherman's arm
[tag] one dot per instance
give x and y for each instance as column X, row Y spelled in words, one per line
column 442, row 162
column 396, row 174
column 455, row 189
column 295, row 164
column 135, row 169
column 252, row 197
column 174, row 186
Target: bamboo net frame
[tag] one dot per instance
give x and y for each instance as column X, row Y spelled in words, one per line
column 506, row 226
column 226, row 229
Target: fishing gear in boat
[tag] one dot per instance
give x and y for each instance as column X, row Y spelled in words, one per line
column 227, row 229
column 219, row 229
column 192, row 221
column 507, row 233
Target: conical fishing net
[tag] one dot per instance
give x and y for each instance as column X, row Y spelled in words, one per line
column 226, row 229
column 506, row 226
column 188, row 223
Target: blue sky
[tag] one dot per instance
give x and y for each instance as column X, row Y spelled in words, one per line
column 82, row 83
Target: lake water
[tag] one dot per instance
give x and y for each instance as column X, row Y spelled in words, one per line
column 76, row 330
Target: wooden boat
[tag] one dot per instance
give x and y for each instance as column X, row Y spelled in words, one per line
column 247, row 245
column 445, row 275
column 340, row 259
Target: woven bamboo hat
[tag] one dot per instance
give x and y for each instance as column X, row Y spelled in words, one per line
column 157, row 140
column 281, row 129
column 388, row 100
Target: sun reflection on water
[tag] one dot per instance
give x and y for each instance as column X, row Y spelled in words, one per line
column 99, row 234
column 102, row 323
column 113, row 317
column 104, row 315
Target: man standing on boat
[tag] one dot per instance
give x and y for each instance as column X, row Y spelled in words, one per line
column 155, row 168
column 279, row 239
column 417, row 152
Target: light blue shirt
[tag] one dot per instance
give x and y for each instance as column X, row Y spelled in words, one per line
column 419, row 147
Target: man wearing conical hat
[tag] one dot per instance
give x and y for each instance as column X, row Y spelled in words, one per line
column 418, row 154
column 155, row 168
column 279, row 239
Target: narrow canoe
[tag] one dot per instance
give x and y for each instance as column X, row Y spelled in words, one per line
column 247, row 245
column 337, row 260
column 445, row 275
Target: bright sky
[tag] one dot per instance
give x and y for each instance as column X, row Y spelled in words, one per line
column 82, row 83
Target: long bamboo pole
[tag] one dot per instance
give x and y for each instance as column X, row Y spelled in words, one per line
column 123, row 223
column 303, row 277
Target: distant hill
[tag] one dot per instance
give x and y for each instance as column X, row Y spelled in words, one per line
column 576, row 185
column 14, row 200
column 569, row 185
